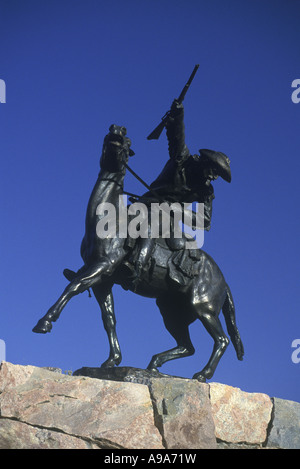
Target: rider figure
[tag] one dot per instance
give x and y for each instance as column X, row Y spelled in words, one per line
column 185, row 178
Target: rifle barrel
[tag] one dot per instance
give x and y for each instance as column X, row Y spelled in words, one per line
column 159, row 128
column 186, row 86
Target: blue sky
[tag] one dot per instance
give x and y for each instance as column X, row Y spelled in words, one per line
column 71, row 69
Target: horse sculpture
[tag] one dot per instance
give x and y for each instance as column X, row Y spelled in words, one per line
column 180, row 298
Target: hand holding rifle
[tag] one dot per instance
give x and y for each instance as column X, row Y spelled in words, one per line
column 176, row 104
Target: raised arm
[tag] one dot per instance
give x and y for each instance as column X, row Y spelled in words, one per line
column 175, row 133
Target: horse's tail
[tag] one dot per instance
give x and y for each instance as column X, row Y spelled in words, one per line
column 229, row 314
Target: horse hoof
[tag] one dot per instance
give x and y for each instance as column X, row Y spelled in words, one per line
column 152, row 369
column 42, row 327
column 199, row 377
column 107, row 364
column 110, row 363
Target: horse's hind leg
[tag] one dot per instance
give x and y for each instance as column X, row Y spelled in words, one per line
column 105, row 300
column 214, row 327
column 177, row 324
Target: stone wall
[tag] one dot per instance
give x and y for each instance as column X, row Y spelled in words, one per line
column 44, row 409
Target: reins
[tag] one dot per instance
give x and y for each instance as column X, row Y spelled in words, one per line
column 137, row 177
column 141, row 181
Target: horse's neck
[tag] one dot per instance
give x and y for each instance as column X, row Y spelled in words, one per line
column 108, row 187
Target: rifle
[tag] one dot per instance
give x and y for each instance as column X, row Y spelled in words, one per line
column 158, row 130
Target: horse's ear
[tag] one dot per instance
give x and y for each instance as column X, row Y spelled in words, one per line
column 131, row 152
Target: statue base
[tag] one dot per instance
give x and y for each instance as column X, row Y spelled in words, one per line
column 123, row 373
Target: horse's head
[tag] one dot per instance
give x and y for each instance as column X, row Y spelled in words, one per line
column 116, row 149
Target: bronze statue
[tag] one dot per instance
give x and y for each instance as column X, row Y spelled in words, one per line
column 186, row 283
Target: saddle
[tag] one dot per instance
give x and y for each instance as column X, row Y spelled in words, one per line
column 182, row 265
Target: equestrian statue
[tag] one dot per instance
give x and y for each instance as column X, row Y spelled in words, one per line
column 186, row 283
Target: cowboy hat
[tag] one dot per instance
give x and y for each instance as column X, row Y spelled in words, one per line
column 219, row 162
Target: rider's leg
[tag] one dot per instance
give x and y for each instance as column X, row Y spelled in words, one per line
column 145, row 250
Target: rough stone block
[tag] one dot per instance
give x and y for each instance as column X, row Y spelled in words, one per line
column 183, row 413
column 100, row 410
column 285, row 430
column 240, row 416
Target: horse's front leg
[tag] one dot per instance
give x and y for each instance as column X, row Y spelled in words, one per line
column 104, row 297
column 86, row 279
